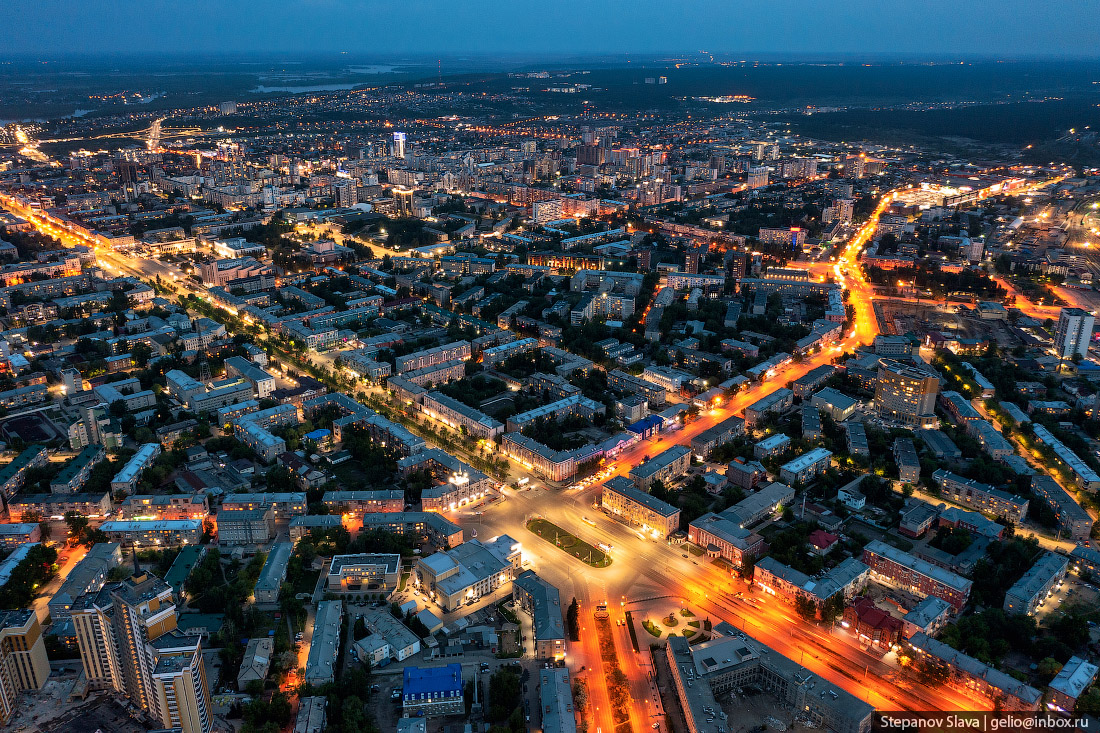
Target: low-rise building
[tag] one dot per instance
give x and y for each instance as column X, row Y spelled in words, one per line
column 1030, row 591
column 838, row 405
column 433, row 691
column 627, row 502
column 1072, row 518
column 806, row 467
column 246, row 526
column 871, row 624
column 153, row 532
column 980, row 497
column 432, row 526
column 256, row 662
column 777, row 401
column 971, row 676
column 325, row 646
column 915, row 575
column 664, row 467
column 467, row 572
column 273, row 573
column 1070, row 683
column 723, row 537
column 364, row 573
column 540, row 600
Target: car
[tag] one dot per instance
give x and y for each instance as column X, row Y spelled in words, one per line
column 396, row 695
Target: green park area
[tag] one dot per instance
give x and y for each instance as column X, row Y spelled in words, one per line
column 570, row 543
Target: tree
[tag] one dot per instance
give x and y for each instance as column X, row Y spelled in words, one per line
column 806, row 608
column 572, row 619
column 78, row 525
column 1047, row 669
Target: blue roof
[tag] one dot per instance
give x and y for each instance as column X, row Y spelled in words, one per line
column 645, row 424
column 320, row 434
column 428, row 680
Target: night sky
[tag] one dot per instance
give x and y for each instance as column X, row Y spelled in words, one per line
column 1003, row 28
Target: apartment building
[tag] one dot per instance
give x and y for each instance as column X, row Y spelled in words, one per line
column 153, row 532
column 353, row 503
column 92, row 506
column 1072, row 518
column 775, row 578
column 284, row 504
column 541, row 602
column 628, row 503
column 980, row 497
column 971, row 676
column 705, row 442
column 906, row 393
column 1029, row 592
column 905, row 456
column 76, row 472
column 246, row 526
column 777, row 401
column 23, row 661
column 915, row 575
column 129, row 644
column 806, row 467
column 431, row 526
column 458, row 415
column 87, row 576
column 456, row 350
column 666, row 466
column 13, row 474
column 458, row 483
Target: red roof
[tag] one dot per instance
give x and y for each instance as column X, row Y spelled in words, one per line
column 871, row 615
column 821, row 539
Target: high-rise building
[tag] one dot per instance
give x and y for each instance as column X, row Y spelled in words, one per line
column 544, row 211
column 758, row 177
column 906, row 393
column 1074, row 332
column 841, row 210
column 228, row 108
column 345, row 192
column 399, row 145
column 129, row 644
column 403, row 201
column 23, row 662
